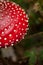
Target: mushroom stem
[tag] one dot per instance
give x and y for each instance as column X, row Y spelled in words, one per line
column 9, row 52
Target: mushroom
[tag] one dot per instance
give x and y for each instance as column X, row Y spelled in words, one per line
column 13, row 23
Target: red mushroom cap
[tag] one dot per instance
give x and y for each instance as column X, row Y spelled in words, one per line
column 13, row 23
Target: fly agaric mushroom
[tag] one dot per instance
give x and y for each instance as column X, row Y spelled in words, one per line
column 13, row 23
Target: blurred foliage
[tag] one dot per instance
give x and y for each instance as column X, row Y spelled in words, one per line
column 41, row 54
column 31, row 55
